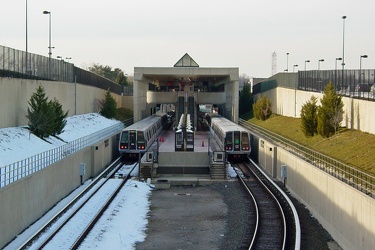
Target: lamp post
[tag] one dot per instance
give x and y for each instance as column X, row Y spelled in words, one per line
column 27, row 60
column 49, row 43
column 337, row 59
column 360, row 69
column 319, row 80
column 343, row 51
column 307, row 61
column 287, row 62
column 295, row 65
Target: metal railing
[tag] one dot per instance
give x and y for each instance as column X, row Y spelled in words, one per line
column 15, row 171
column 357, row 179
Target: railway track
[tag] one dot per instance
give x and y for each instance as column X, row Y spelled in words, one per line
column 275, row 220
column 82, row 212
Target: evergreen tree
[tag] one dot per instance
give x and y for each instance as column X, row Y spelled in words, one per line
column 330, row 113
column 245, row 99
column 262, row 109
column 39, row 114
column 309, row 120
column 59, row 117
column 109, row 106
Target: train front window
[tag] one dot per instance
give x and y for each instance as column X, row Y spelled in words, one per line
column 245, row 141
column 228, row 138
column 124, row 137
column 140, row 137
column 228, row 141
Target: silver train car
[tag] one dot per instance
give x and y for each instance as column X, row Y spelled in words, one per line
column 136, row 139
column 231, row 138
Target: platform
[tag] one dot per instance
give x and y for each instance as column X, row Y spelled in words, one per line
column 197, row 165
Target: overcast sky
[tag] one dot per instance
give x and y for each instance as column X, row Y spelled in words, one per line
column 215, row 33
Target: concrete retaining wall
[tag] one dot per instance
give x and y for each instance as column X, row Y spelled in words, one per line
column 15, row 94
column 346, row 213
column 26, row 200
column 357, row 113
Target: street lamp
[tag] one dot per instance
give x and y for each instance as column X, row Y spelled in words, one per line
column 27, row 60
column 287, row 62
column 343, row 42
column 360, row 68
column 337, row 59
column 295, row 65
column 321, row 60
column 343, row 51
column 49, row 43
column 307, row 61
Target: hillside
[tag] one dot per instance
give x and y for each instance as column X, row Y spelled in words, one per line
column 352, row 147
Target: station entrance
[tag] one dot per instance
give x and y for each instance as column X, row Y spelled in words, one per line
column 181, row 90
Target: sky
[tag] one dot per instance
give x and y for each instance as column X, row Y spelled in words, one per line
column 109, row 232
column 239, row 33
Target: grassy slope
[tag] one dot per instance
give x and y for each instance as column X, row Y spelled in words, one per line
column 352, row 147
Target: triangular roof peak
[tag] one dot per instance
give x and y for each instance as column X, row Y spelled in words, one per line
column 186, row 61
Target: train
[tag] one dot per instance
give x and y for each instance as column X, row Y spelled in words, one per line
column 184, row 134
column 231, row 138
column 136, row 139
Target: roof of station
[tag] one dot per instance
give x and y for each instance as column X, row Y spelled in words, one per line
column 186, row 68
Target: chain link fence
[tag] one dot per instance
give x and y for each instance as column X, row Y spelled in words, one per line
column 19, row 64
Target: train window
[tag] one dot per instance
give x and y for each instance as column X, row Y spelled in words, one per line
column 228, row 138
column 180, row 138
column 245, row 141
column 190, row 137
column 140, row 137
column 124, row 137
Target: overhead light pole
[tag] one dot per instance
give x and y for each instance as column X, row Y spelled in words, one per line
column 294, row 66
column 337, row 59
column 49, row 43
column 343, row 51
column 287, row 62
column 307, row 61
column 360, row 68
column 321, row 60
column 27, row 59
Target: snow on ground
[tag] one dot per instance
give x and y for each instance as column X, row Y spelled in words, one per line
column 17, row 143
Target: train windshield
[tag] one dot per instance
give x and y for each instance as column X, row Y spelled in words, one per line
column 228, row 141
column 245, row 141
column 140, row 137
column 228, row 138
column 124, row 137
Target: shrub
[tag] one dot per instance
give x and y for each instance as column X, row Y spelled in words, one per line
column 262, row 109
column 309, row 120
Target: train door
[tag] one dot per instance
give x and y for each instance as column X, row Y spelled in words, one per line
column 179, row 140
column 132, row 139
column 236, row 135
column 124, row 140
column 141, row 143
column 245, row 142
column 228, row 141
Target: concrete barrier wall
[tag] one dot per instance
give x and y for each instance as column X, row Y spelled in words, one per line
column 346, row 213
column 26, row 200
column 183, row 159
column 16, row 93
column 357, row 113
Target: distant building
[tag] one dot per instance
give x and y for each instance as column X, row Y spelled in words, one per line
column 254, row 81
